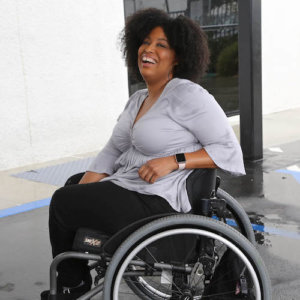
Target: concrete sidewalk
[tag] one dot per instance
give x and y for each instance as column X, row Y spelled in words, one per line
column 278, row 128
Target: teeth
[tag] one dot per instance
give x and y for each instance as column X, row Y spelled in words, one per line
column 148, row 59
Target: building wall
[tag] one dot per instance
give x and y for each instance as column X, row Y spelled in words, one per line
column 63, row 81
column 280, row 55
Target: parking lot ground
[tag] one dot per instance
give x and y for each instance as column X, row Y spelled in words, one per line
column 270, row 194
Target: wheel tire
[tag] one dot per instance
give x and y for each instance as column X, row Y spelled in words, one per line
column 239, row 214
column 236, row 242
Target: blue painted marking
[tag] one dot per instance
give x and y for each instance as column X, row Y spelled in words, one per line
column 282, row 232
column 262, row 228
column 295, row 174
column 24, row 207
column 44, row 202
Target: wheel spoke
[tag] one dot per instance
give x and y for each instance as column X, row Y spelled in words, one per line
column 177, row 291
column 212, row 270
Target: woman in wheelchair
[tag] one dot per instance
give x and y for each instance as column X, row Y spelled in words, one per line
column 164, row 132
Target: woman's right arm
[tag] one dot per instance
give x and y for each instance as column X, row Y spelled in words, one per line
column 102, row 165
column 90, row 177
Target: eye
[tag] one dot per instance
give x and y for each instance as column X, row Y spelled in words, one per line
column 145, row 43
column 162, row 45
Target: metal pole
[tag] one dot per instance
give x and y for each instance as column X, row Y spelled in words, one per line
column 250, row 79
column 167, row 6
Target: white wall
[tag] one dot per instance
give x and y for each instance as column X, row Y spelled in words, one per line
column 280, row 54
column 62, row 78
column 63, row 82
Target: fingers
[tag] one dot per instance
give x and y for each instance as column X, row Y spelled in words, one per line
column 153, row 178
column 147, row 173
column 157, row 168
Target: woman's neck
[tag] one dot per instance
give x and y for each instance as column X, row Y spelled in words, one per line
column 155, row 89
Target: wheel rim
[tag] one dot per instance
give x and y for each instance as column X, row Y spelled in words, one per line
column 191, row 231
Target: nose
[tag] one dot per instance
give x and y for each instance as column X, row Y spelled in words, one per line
column 149, row 48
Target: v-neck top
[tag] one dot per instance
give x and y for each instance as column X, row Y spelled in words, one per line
column 185, row 118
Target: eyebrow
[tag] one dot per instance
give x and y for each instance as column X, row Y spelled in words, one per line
column 159, row 39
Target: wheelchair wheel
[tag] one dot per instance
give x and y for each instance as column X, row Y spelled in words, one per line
column 236, row 216
column 186, row 257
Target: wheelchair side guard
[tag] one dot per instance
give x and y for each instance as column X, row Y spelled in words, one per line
column 90, row 241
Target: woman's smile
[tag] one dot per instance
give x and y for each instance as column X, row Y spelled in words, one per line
column 147, row 60
column 156, row 59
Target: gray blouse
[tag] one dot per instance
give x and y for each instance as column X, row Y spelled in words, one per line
column 185, row 118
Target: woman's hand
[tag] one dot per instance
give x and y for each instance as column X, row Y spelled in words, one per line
column 90, row 177
column 157, row 167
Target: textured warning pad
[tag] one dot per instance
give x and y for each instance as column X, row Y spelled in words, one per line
column 58, row 174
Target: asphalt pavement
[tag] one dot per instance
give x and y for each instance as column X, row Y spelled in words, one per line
column 270, row 194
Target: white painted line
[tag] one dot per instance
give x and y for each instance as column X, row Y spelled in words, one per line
column 276, row 149
column 293, row 168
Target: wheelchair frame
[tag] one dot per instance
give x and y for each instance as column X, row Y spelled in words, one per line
column 111, row 269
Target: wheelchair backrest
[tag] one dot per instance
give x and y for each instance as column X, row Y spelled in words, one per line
column 199, row 185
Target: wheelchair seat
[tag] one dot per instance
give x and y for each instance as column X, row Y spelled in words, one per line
column 196, row 191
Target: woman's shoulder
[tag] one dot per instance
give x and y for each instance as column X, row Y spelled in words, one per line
column 187, row 92
column 135, row 97
column 137, row 94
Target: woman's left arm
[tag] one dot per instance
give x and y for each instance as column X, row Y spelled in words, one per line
column 197, row 111
column 159, row 167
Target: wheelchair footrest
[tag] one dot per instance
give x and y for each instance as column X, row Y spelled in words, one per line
column 89, row 240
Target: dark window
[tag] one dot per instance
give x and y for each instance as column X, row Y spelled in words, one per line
column 219, row 19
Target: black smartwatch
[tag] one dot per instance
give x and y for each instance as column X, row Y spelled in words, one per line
column 180, row 158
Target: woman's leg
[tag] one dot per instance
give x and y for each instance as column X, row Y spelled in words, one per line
column 101, row 205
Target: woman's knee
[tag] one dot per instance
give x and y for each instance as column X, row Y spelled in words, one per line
column 59, row 199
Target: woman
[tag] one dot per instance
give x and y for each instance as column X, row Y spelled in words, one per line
column 164, row 132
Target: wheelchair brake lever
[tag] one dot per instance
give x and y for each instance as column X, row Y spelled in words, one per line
column 217, row 185
column 218, row 182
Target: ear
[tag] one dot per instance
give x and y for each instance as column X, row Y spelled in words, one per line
column 175, row 60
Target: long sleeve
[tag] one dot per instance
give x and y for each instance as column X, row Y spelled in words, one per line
column 118, row 143
column 105, row 160
column 197, row 111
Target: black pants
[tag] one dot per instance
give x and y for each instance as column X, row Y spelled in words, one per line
column 102, row 205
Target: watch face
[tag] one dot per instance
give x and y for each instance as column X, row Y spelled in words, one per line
column 180, row 157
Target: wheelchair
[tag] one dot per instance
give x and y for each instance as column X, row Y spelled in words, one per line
column 208, row 253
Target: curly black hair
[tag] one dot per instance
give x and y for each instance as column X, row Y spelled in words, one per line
column 184, row 36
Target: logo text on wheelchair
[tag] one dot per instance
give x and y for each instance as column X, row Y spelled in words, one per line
column 92, row 242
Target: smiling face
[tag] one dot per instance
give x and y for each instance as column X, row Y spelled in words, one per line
column 156, row 59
